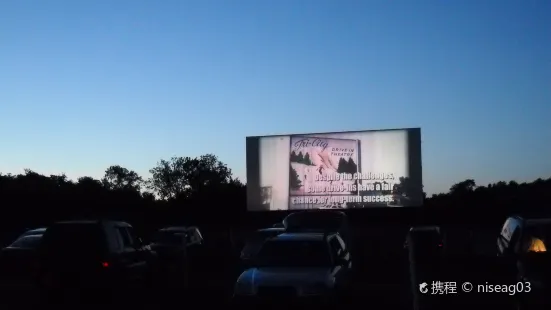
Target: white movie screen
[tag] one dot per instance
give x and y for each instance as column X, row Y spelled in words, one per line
column 335, row 170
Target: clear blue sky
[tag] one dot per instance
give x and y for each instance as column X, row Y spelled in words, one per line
column 86, row 84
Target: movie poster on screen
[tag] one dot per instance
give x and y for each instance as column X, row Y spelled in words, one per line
column 317, row 166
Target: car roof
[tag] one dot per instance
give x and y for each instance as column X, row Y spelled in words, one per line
column 315, row 214
column 104, row 222
column 29, row 237
column 299, row 237
column 425, row 228
column 271, row 229
column 537, row 222
column 174, row 229
column 36, row 230
column 316, row 219
column 26, row 237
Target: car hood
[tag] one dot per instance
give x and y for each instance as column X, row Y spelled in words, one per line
column 280, row 276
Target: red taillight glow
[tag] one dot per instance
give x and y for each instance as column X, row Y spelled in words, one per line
column 105, row 264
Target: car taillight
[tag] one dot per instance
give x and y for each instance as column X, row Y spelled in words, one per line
column 105, row 264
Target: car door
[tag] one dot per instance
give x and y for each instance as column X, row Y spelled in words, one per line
column 141, row 252
column 509, row 256
column 131, row 257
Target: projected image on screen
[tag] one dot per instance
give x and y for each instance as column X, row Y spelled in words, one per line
column 323, row 168
column 333, row 171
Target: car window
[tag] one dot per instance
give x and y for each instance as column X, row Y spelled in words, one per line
column 509, row 228
column 126, row 241
column 341, row 242
column 134, row 239
column 294, row 254
column 336, row 247
column 506, row 230
column 27, row 242
column 194, row 236
column 428, row 238
column 169, row 238
column 88, row 238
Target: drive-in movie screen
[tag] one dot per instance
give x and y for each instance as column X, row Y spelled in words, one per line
column 340, row 170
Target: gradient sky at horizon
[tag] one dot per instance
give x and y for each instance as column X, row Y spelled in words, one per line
column 87, row 84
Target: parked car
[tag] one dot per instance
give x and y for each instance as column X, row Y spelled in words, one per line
column 297, row 265
column 179, row 250
column 92, row 254
column 320, row 221
column 177, row 236
column 16, row 262
column 522, row 247
column 428, row 240
column 255, row 241
column 424, row 251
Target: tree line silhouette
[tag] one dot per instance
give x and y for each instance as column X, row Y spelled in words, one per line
column 301, row 158
column 179, row 190
column 185, row 190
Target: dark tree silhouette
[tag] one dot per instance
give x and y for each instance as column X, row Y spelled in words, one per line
column 351, row 166
column 183, row 176
column 300, row 158
column 307, row 160
column 342, row 166
column 347, row 166
column 119, row 178
column 466, row 186
column 294, row 181
column 404, row 188
column 294, row 157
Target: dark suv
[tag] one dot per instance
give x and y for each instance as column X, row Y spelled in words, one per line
column 91, row 254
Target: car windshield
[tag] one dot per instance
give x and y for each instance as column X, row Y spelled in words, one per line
column 428, row 237
column 254, row 243
column 537, row 238
column 27, row 242
column 294, row 254
column 251, row 248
